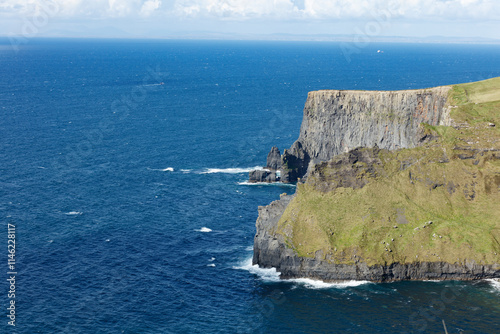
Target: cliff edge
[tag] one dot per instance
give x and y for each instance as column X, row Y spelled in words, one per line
column 398, row 185
column 337, row 121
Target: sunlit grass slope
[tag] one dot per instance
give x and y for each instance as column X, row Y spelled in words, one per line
column 436, row 202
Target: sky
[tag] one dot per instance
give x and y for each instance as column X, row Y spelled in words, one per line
column 471, row 20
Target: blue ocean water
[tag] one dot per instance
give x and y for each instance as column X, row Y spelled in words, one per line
column 123, row 166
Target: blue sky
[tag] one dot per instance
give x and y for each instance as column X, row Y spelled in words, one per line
column 246, row 19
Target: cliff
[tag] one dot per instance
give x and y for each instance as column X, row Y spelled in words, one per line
column 337, row 121
column 399, row 186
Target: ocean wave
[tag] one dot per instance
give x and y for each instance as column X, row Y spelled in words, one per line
column 204, row 229
column 268, row 275
column 495, row 283
column 316, row 284
column 185, row 171
column 229, row 170
column 74, row 213
column 271, row 275
column 168, row 169
column 281, row 184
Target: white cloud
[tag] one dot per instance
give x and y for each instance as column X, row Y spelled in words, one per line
column 254, row 9
column 235, row 9
column 149, row 7
column 338, row 9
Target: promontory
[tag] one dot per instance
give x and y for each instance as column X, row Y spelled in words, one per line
column 391, row 185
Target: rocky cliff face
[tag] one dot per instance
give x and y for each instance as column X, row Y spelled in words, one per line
column 337, row 121
column 368, row 211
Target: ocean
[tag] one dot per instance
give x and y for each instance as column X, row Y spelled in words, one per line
column 123, row 169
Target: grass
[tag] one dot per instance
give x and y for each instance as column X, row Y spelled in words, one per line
column 482, row 91
column 461, row 197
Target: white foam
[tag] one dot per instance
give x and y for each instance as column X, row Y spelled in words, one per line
column 212, row 259
column 204, row 229
column 495, row 282
column 317, row 284
column 74, row 213
column 246, row 183
column 211, row 265
column 230, row 170
column 185, row 171
column 269, row 275
column 168, row 169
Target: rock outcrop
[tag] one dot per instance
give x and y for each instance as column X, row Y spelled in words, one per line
column 274, row 159
column 366, row 210
column 272, row 172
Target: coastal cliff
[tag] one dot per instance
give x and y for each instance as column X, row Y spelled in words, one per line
column 337, row 121
column 398, row 185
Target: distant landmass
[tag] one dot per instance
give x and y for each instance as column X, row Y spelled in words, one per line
column 83, row 31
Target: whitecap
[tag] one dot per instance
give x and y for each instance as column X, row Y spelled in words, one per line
column 185, row 171
column 495, row 282
column 168, row 169
column 230, row 170
column 211, row 265
column 73, row 213
column 317, row 284
column 246, row 183
column 269, row 275
column 204, row 229
column 249, row 248
column 212, row 259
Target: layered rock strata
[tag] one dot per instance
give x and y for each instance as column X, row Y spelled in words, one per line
column 337, row 121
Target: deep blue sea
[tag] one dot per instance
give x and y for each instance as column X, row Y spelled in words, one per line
column 123, row 166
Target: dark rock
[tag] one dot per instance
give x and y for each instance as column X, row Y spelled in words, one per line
column 274, row 159
column 262, row 175
column 294, row 163
column 351, row 170
column 258, row 175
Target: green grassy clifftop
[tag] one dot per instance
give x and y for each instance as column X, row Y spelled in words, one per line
column 439, row 202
